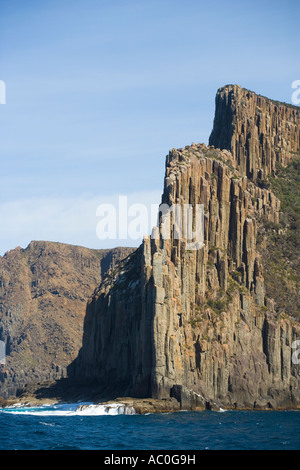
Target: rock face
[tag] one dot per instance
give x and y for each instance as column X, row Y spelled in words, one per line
column 258, row 131
column 195, row 324
column 43, row 294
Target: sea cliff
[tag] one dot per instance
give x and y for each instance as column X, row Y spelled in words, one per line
column 196, row 324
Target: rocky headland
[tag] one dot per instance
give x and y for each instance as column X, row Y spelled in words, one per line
column 44, row 290
column 197, row 325
column 206, row 328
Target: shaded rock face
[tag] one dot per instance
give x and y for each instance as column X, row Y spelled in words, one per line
column 43, row 294
column 196, row 324
column 258, row 131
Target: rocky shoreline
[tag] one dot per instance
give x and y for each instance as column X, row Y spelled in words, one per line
column 139, row 406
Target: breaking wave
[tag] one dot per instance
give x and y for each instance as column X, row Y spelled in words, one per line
column 76, row 409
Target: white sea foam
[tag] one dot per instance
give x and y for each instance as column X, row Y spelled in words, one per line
column 111, row 409
column 76, row 409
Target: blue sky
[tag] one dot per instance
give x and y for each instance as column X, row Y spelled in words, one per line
column 97, row 92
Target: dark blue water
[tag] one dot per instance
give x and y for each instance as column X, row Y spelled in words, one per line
column 53, row 429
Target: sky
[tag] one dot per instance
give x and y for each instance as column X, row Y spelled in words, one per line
column 98, row 91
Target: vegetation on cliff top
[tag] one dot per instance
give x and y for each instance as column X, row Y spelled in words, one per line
column 280, row 243
column 275, row 102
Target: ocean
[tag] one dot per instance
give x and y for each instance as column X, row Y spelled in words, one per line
column 65, row 427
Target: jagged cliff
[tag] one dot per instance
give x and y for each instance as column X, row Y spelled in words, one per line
column 196, row 324
column 258, row 131
column 43, row 294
